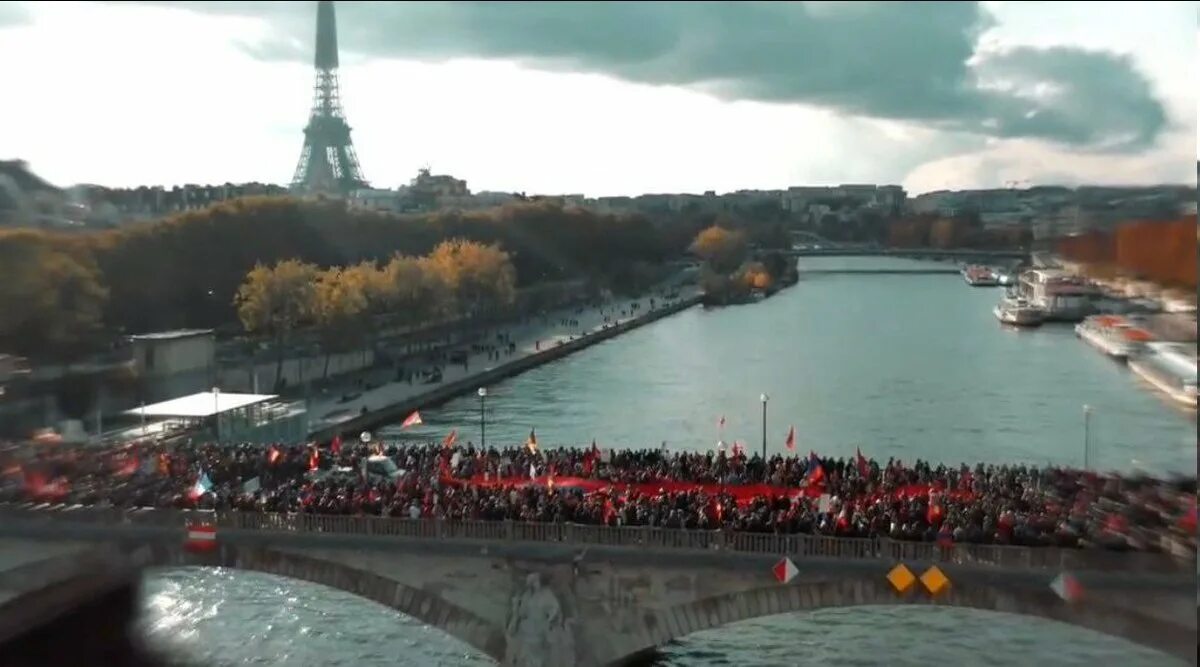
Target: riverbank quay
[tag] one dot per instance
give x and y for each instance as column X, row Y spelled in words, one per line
column 535, row 344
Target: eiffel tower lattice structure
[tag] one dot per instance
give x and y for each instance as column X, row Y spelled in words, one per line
column 327, row 163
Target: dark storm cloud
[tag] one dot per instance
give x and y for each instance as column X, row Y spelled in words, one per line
column 901, row 61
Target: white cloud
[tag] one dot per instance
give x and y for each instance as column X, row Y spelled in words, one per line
column 127, row 95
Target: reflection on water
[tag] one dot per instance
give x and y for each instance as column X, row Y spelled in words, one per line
column 222, row 617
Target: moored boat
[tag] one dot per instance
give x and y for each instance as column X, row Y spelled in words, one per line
column 1170, row 368
column 980, row 276
column 1061, row 296
column 1018, row 312
column 1113, row 335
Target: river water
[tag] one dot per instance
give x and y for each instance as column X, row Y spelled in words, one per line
column 904, row 366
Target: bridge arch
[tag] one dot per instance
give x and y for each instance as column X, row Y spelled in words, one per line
column 664, row 625
column 416, row 603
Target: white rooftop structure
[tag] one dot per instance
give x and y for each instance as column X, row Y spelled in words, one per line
column 203, row 404
column 172, row 335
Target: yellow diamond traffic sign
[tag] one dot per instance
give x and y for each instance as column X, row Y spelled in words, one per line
column 901, row 578
column 935, row 582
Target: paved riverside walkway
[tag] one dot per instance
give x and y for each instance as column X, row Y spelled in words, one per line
column 327, row 408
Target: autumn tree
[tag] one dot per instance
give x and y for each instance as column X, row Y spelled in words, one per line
column 276, row 300
column 478, row 275
column 184, row 270
column 410, row 294
column 753, row 275
column 51, row 299
column 722, row 249
column 340, row 309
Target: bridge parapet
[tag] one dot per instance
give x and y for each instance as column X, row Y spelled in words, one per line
column 633, row 537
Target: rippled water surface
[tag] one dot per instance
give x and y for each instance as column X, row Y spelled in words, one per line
column 222, row 618
column 905, row 366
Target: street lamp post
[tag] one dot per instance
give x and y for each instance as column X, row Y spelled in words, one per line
column 1087, row 436
column 764, row 398
column 482, row 419
column 216, row 393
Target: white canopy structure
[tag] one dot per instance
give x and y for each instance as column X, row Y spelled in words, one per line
column 199, row 406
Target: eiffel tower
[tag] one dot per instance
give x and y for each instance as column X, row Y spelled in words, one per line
column 327, row 162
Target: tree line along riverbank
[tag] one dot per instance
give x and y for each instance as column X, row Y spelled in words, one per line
column 68, row 295
column 734, row 273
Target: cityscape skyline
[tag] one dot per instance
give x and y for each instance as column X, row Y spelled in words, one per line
column 632, row 128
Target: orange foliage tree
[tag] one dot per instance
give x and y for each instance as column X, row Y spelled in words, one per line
column 722, row 249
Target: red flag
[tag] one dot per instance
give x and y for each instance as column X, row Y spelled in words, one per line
column 532, row 442
column 1188, row 521
column 864, row 468
column 450, row 439
column 945, row 538
column 412, row 420
column 127, row 466
column 791, row 439
column 52, row 491
column 816, row 472
column 272, row 455
column 314, row 459
column 336, row 445
column 589, row 459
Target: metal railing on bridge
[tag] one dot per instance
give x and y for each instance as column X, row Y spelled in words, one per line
column 633, row 537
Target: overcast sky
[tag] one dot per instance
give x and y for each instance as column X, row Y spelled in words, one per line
column 611, row 98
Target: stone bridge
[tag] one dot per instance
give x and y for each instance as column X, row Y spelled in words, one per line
column 560, row 595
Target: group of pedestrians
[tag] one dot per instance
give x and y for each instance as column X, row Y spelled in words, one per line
column 855, row 497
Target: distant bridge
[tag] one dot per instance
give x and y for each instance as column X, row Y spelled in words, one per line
column 563, row 594
column 964, row 255
column 901, row 272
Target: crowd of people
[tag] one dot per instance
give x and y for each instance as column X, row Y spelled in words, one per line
column 857, row 497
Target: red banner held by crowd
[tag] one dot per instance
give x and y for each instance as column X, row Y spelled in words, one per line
column 742, row 493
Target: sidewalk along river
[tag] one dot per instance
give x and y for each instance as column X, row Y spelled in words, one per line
column 535, row 344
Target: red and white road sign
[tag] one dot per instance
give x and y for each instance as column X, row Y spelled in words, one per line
column 1067, row 587
column 201, row 537
column 785, row 570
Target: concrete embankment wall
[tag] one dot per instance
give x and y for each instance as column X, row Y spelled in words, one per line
column 446, row 392
column 296, row 370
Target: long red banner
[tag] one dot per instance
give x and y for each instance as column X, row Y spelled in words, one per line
column 743, row 493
